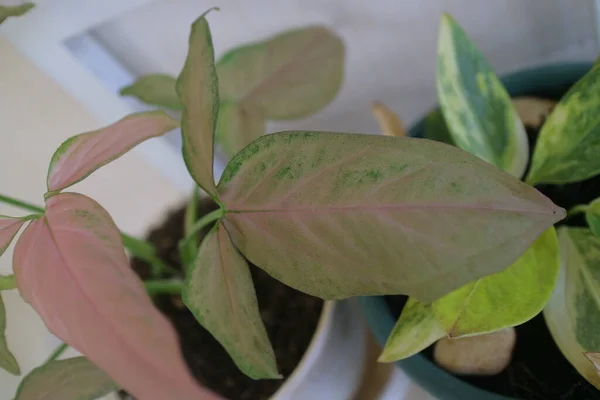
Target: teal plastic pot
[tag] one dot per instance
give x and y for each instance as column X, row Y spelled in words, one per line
column 546, row 81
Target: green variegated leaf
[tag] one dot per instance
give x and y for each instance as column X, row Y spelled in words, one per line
column 573, row 312
column 71, row 379
column 8, row 362
column 155, row 90
column 198, row 90
column 237, row 126
column 592, row 216
column 416, row 329
column 220, row 293
column 435, row 128
column 294, row 199
column 475, row 104
column 569, row 142
column 508, row 298
column 14, row 11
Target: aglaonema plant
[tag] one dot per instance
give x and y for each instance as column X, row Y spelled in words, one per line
column 331, row 214
column 270, row 80
column 556, row 275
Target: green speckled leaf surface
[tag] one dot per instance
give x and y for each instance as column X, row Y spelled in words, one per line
column 477, row 108
column 197, row 88
column 413, row 216
column 220, row 293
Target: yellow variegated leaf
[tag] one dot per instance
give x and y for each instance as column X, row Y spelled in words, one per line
column 388, row 121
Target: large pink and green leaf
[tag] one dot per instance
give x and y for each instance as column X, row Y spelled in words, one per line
column 81, row 155
column 198, row 91
column 71, row 267
column 71, row 379
column 220, row 293
column 291, row 75
column 9, row 227
column 338, row 215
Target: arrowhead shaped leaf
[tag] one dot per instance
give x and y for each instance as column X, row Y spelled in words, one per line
column 504, row 299
column 71, row 267
column 339, row 215
column 573, row 312
column 155, row 90
column 388, row 121
column 569, row 141
column 9, row 227
column 197, row 88
column 220, row 293
column 81, row 155
column 14, row 11
column 416, row 329
column 476, row 106
column 237, row 126
column 291, row 75
column 8, row 362
column 71, row 379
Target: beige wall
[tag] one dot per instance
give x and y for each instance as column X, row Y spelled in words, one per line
column 35, row 117
column 391, row 43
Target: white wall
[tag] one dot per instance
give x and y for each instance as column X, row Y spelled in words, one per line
column 391, row 43
column 36, row 115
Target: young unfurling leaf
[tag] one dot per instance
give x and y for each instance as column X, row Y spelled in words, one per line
column 71, row 267
column 71, row 379
column 478, row 109
column 388, row 121
column 220, row 293
column 412, row 216
column 573, row 312
column 197, row 88
column 156, row 90
column 83, row 154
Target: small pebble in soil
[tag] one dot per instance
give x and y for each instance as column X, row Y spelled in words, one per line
column 476, row 355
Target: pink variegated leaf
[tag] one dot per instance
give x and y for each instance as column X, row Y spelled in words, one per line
column 83, row 154
column 9, row 226
column 339, row 215
column 71, row 267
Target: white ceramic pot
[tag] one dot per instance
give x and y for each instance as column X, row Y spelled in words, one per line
column 332, row 366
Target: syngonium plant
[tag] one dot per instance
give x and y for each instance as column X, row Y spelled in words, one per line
column 331, row 214
column 274, row 79
column 560, row 276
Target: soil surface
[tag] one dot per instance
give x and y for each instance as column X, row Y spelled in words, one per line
column 538, row 370
column 290, row 317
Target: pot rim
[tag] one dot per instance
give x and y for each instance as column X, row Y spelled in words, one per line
column 310, row 356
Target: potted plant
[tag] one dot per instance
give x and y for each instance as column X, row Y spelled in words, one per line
column 328, row 214
column 462, row 345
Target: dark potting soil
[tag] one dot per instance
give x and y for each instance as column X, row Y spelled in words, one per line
column 538, row 370
column 290, row 318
